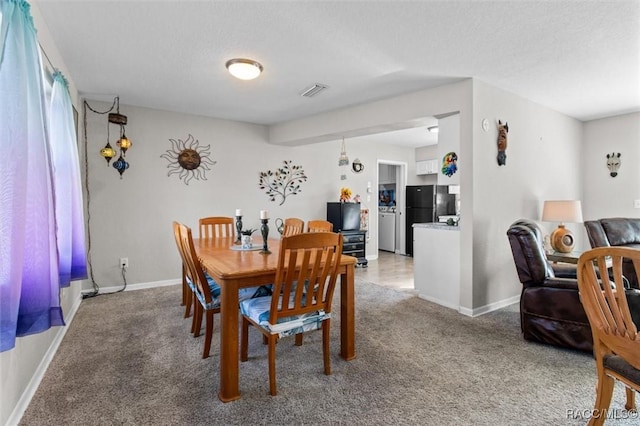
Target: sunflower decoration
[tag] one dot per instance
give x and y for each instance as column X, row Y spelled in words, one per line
column 189, row 159
column 345, row 195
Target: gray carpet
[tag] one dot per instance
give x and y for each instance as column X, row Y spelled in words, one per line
column 129, row 358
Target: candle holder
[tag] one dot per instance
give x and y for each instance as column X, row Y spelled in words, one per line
column 265, row 233
column 238, row 230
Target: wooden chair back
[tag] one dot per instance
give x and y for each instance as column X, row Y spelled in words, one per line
column 604, row 300
column 616, row 342
column 186, row 299
column 292, row 226
column 193, row 268
column 306, row 274
column 319, row 226
column 216, row 227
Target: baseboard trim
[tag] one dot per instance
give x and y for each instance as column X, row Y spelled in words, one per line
column 477, row 311
column 438, row 301
column 38, row 375
column 138, row 286
column 490, row 307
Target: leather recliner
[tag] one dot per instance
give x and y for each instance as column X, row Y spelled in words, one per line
column 617, row 231
column 550, row 307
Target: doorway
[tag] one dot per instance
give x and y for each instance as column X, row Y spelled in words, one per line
column 392, row 180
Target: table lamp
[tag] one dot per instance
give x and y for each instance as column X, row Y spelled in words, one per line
column 562, row 211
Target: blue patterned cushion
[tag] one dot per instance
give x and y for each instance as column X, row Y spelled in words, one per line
column 258, row 309
column 215, row 293
column 214, row 287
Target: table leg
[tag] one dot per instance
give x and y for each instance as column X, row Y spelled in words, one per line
column 229, row 368
column 347, row 314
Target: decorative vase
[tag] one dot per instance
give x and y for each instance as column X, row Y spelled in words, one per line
column 247, row 241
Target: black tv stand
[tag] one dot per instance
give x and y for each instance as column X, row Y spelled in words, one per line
column 355, row 244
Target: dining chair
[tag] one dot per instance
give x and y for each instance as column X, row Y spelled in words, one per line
column 319, row 226
column 186, row 291
column 292, row 226
column 309, row 258
column 216, row 227
column 616, row 341
column 206, row 292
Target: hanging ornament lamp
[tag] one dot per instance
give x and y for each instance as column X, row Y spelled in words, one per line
column 344, row 160
column 124, row 143
column 108, row 152
column 121, row 165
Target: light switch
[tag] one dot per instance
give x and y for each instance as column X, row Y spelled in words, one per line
column 636, row 204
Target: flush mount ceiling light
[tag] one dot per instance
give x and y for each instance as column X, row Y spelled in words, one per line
column 244, row 69
column 433, row 129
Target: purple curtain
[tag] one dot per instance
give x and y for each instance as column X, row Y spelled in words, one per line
column 68, row 192
column 29, row 282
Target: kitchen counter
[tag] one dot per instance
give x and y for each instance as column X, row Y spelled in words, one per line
column 436, row 265
column 437, row 225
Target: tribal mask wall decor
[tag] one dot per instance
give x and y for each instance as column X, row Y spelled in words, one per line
column 613, row 163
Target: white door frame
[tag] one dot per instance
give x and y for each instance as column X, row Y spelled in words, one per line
column 401, row 184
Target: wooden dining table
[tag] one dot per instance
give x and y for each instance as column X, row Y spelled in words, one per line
column 234, row 269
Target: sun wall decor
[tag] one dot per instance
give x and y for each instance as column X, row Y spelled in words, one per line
column 282, row 182
column 189, row 159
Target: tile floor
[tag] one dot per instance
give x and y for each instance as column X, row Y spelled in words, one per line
column 389, row 270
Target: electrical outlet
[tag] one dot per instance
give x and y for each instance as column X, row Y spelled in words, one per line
column 636, row 204
column 124, row 262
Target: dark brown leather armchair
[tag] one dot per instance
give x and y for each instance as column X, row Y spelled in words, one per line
column 617, row 231
column 550, row 307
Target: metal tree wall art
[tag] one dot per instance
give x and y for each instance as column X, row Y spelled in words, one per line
column 282, row 182
column 189, row 159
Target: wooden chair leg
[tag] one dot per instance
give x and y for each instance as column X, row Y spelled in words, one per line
column 194, row 318
column 198, row 318
column 244, row 340
column 188, row 302
column 185, row 288
column 631, row 399
column 299, row 339
column 604, row 391
column 272, row 365
column 325, row 347
column 208, row 333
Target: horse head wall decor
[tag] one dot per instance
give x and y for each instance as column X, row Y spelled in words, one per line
column 503, row 129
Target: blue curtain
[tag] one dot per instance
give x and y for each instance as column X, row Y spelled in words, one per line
column 68, row 191
column 29, row 281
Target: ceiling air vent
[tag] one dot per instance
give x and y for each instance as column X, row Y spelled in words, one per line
column 313, row 90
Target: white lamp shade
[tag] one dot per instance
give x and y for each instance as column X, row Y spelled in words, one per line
column 244, row 69
column 562, row 211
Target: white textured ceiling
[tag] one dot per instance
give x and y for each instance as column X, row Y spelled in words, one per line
column 581, row 58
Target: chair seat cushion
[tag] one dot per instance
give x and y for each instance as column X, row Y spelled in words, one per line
column 215, row 293
column 214, row 287
column 259, row 309
column 622, row 367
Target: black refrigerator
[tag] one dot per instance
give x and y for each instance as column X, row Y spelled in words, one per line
column 424, row 203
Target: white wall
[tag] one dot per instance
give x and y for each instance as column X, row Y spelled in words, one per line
column 544, row 161
column 21, row 367
column 606, row 196
column 131, row 217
